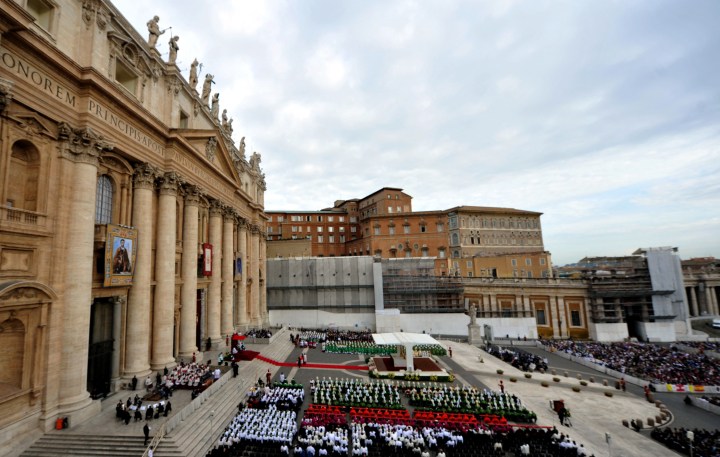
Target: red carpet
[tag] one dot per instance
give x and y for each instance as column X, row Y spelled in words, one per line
column 313, row 365
column 246, row 355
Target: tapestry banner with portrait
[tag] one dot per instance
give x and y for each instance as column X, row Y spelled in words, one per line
column 120, row 252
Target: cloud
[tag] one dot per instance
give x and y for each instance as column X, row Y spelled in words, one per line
column 601, row 115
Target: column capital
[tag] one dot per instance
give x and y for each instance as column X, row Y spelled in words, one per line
column 192, row 194
column 242, row 222
column 144, row 176
column 169, row 183
column 255, row 229
column 216, row 207
column 230, row 213
column 81, row 145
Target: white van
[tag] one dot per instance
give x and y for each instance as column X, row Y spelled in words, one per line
column 716, row 323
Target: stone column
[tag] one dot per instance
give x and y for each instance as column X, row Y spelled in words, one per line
column 213, row 326
column 242, row 283
column 226, row 317
column 562, row 317
column 81, row 147
column 693, row 302
column 164, row 303
column 255, row 317
column 711, row 299
column 137, row 335
column 188, row 291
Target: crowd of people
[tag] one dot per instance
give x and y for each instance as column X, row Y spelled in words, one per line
column 353, row 392
column 705, row 443
column 651, row 362
column 259, row 333
column 280, row 398
column 468, row 400
column 187, row 375
column 135, row 409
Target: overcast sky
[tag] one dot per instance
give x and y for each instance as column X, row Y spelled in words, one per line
column 603, row 115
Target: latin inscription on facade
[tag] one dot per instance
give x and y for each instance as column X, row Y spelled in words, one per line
column 123, row 126
column 29, row 73
column 202, row 173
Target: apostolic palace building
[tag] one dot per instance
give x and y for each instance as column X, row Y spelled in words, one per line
column 131, row 221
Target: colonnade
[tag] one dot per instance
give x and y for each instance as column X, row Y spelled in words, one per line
column 702, row 295
column 145, row 313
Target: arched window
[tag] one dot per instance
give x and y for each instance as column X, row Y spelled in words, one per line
column 455, row 239
column 103, row 200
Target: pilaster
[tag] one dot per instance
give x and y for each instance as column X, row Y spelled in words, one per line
column 242, row 314
column 226, row 317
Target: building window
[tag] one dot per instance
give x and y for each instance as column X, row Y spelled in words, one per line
column 331, row 238
column 42, row 11
column 469, row 264
column 529, row 274
column 544, row 273
column 341, row 218
column 424, row 252
column 320, row 218
column 376, row 230
column 391, row 230
column 513, row 262
column 456, row 254
column 103, row 200
column 319, row 229
column 353, row 220
column 331, row 229
column 280, row 219
column 542, row 260
column 528, row 261
column 331, row 218
column 389, row 209
column 341, row 229
column 470, row 274
column 440, row 227
column 441, row 253
column 575, row 320
column 406, row 229
column 126, row 76
column 353, row 229
column 455, row 239
column 540, row 317
column 320, row 239
column 342, row 238
column 183, row 124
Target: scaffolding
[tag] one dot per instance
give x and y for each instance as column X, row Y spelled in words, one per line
column 411, row 286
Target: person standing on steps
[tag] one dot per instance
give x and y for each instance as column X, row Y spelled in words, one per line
column 146, row 431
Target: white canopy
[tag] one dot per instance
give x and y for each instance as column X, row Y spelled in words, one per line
column 408, row 340
column 403, row 339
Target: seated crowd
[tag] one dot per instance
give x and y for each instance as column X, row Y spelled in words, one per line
column 187, row 375
column 468, row 400
column 654, row 363
column 259, row 333
column 134, row 408
column 705, row 443
column 353, row 392
column 280, row 398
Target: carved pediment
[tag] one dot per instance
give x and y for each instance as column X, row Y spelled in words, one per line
column 33, row 124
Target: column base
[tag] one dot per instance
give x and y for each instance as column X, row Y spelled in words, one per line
column 160, row 366
column 79, row 409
